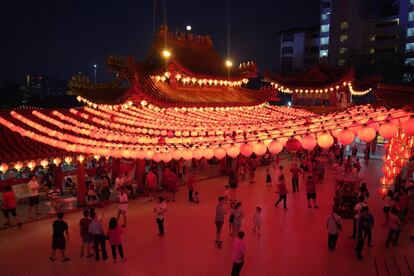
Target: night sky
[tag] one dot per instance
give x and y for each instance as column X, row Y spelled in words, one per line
column 59, row 38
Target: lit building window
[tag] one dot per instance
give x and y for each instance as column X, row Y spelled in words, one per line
column 324, row 40
column 344, row 25
column 371, row 38
column 325, row 28
column 323, row 53
column 343, row 38
column 411, row 16
column 324, row 16
column 371, row 50
column 409, row 61
column 409, row 47
column 341, row 62
column 342, row 50
column 410, row 31
column 412, row 2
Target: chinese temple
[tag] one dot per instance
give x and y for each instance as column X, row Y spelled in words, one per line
column 323, row 85
column 184, row 102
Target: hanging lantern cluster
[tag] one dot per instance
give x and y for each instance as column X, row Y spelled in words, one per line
column 346, row 84
column 191, row 80
column 399, row 151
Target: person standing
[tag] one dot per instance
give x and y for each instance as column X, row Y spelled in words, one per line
column 238, row 253
column 122, row 206
column 334, row 226
column 362, row 225
column 278, row 173
column 238, row 217
column 160, row 209
column 282, row 191
column 86, row 238
column 394, row 226
column 119, row 182
column 128, row 185
column 219, row 220
column 115, row 238
column 60, row 229
column 311, row 192
column 295, row 170
column 151, row 183
column 99, row 238
column 370, row 225
column 34, row 198
column 268, row 178
column 357, row 212
column 388, row 203
column 190, row 185
column 257, row 220
column 233, row 183
column 9, row 205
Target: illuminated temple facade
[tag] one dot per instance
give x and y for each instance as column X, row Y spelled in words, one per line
column 182, row 103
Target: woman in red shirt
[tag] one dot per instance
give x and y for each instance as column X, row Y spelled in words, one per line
column 9, row 205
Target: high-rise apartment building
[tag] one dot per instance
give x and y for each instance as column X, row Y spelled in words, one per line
column 352, row 29
column 299, row 48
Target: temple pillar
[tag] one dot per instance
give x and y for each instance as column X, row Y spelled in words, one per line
column 374, row 145
column 140, row 171
column 116, row 168
column 81, row 187
column 58, row 177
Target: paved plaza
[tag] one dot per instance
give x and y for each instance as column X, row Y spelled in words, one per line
column 293, row 242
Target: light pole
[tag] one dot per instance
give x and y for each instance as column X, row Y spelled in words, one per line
column 95, row 66
column 228, row 64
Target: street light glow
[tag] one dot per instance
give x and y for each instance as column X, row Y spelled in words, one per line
column 188, row 28
column 166, row 54
column 229, row 63
column 95, row 66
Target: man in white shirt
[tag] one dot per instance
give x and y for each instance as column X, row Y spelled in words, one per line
column 357, row 212
column 333, row 225
column 119, row 182
column 33, row 187
column 122, row 205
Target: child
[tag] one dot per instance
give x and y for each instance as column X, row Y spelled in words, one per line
column 226, row 193
column 268, row 179
column 231, row 217
column 86, row 238
column 196, row 198
column 114, row 235
column 91, row 195
column 257, row 220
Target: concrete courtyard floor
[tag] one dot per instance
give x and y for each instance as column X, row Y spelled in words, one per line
column 293, row 242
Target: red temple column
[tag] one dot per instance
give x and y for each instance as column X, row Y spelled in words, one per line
column 81, row 188
column 139, row 171
column 116, row 168
column 58, row 177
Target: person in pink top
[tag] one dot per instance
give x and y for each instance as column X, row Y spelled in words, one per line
column 115, row 238
column 9, row 205
column 190, row 185
column 151, row 182
column 238, row 252
column 311, row 192
column 282, row 191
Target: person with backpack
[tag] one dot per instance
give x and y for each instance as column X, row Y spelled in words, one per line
column 334, row 226
column 357, row 212
column 370, row 225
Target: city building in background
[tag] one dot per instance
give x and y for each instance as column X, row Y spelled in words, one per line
column 36, row 86
column 299, row 48
column 375, row 35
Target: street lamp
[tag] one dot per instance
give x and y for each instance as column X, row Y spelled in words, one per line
column 188, row 27
column 95, row 66
column 229, row 63
column 166, row 54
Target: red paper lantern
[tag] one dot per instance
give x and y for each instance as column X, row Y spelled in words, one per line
column 293, row 145
column 157, row 157
column 4, row 167
column 198, row 154
column 325, row 140
column 166, row 157
column 246, row 150
column 275, row 147
column 388, row 130
column 219, row 153
column 383, row 190
column 367, row 134
column 177, row 154
column 187, row 154
column 308, row 142
column 408, row 126
column 259, row 149
column 208, row 153
column 233, row 151
column 346, row 137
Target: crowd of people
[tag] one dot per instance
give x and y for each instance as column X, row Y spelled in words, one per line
column 307, row 169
